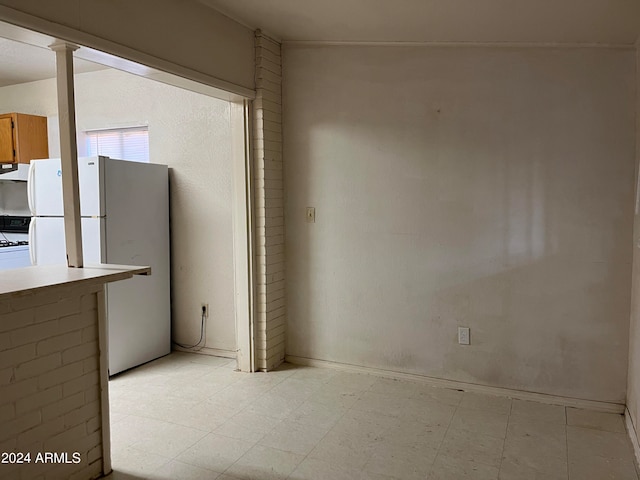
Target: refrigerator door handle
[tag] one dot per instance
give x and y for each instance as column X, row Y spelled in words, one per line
column 31, row 190
column 32, row 243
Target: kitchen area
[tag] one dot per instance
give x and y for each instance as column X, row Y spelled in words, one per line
column 186, row 131
column 124, row 207
column 155, row 179
column 22, row 137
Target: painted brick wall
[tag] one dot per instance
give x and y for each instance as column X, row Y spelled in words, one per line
column 50, row 382
column 269, row 202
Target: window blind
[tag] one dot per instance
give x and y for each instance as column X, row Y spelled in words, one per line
column 121, row 143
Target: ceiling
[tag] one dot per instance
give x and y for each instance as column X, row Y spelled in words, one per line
column 610, row 22
column 21, row 63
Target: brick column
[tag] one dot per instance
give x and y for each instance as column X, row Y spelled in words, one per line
column 269, row 330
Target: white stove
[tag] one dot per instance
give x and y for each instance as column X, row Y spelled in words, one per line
column 14, row 244
column 14, row 256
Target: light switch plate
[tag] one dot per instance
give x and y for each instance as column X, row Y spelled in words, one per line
column 311, row 215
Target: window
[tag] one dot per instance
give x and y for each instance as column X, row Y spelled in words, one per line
column 121, row 143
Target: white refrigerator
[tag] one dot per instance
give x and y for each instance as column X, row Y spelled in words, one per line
column 125, row 220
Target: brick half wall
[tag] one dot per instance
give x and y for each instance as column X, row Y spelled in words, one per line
column 50, row 395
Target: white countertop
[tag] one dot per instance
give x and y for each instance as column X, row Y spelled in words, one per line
column 20, row 280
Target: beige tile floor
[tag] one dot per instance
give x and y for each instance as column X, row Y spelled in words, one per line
column 192, row 417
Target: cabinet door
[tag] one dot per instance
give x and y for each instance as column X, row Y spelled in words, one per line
column 6, row 140
column 31, row 141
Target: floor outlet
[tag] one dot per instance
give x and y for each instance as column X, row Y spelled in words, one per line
column 464, row 337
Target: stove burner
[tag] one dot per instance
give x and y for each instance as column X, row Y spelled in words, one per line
column 8, row 243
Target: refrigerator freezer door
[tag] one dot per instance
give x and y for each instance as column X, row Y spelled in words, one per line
column 47, row 244
column 44, row 187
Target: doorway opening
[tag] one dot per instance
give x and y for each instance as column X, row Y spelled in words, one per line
column 202, row 133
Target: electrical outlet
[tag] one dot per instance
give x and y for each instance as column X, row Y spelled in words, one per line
column 311, row 215
column 464, row 337
column 205, row 310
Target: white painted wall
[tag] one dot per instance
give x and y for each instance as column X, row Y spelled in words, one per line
column 633, row 387
column 482, row 187
column 190, row 133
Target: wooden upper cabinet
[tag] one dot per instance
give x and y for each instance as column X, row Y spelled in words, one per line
column 23, row 138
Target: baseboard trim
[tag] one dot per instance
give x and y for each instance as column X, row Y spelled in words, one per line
column 607, row 407
column 212, row 352
column 633, row 436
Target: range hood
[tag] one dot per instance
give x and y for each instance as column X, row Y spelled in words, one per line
column 17, row 172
